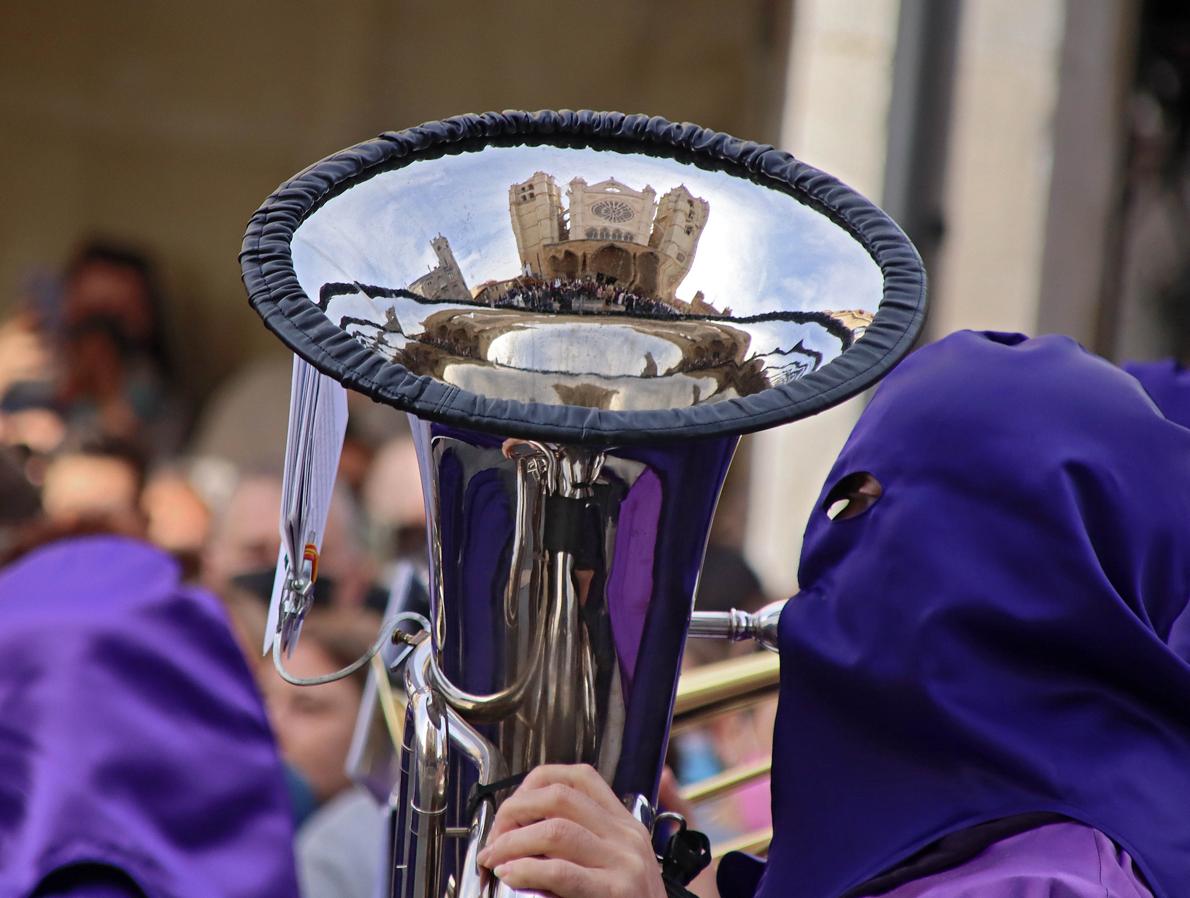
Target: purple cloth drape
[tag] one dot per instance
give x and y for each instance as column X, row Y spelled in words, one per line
column 132, row 735
column 1168, row 382
column 994, row 636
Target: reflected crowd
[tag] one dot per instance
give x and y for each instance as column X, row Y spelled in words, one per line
column 101, row 434
column 582, row 295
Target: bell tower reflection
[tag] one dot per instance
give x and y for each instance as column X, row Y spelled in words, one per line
column 610, row 235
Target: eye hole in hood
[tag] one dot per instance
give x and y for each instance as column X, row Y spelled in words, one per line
column 852, row 496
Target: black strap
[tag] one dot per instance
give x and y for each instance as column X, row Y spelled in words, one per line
column 687, row 853
column 484, row 791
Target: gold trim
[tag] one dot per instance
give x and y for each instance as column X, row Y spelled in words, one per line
column 724, row 686
column 756, row 842
column 714, row 786
column 390, row 706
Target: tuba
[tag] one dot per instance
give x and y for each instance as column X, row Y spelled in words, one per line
column 581, row 312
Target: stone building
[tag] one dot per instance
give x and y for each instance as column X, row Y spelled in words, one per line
column 855, row 320
column 698, row 306
column 676, row 229
column 535, row 206
column 445, row 280
column 609, row 230
column 610, row 210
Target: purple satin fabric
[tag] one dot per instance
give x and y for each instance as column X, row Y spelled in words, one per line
column 1168, row 382
column 1062, row 860
column 993, row 636
column 131, row 733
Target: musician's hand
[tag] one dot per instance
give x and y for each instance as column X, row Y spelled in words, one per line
column 564, row 831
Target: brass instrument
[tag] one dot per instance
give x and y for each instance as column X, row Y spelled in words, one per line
column 581, row 312
column 722, row 688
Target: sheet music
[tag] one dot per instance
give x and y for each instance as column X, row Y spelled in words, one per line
column 314, row 443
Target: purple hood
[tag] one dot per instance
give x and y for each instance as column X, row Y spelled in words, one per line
column 131, row 731
column 1168, row 382
column 1003, row 632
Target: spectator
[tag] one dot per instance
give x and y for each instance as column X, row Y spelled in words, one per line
column 245, row 538
column 117, row 371
column 100, row 481
column 177, row 517
column 340, row 847
column 393, row 501
column 100, row 359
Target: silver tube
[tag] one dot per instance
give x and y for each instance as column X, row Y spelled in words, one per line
column 487, row 760
column 473, row 881
column 428, row 807
column 738, row 626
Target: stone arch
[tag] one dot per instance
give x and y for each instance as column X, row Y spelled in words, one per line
column 566, row 265
column 646, row 274
column 613, row 262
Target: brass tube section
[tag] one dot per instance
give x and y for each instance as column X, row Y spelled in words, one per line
column 392, row 706
column 724, row 686
column 721, row 783
column 756, row 842
column 487, row 760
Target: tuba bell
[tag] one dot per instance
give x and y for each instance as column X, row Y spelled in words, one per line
column 581, row 313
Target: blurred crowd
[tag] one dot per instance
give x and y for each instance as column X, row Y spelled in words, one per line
column 99, row 434
column 582, row 294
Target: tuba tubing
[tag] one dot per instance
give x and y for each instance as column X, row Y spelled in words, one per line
column 739, row 626
column 562, row 578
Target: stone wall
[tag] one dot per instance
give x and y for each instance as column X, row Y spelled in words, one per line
column 167, row 123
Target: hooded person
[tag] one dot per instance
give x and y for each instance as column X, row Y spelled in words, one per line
column 1168, row 383
column 997, row 636
column 135, row 757
column 985, row 679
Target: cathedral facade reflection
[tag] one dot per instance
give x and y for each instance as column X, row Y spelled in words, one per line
column 592, row 309
column 608, row 235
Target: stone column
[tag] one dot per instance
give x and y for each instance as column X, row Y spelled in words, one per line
column 838, row 87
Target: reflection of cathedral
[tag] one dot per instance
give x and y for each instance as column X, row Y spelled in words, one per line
column 855, row 320
column 624, row 236
column 445, row 280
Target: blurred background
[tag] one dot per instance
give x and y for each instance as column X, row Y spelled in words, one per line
column 1038, row 154
column 1038, row 157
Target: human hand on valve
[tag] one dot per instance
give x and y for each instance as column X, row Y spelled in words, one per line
column 564, row 831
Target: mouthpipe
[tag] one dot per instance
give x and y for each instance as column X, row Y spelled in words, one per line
column 738, row 626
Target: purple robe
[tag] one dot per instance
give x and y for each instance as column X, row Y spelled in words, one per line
column 1168, row 382
column 994, row 637
column 134, row 751
column 1060, row 860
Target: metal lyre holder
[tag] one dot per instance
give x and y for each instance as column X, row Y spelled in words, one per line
column 581, row 312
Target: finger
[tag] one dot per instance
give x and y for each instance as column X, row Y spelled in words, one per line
column 556, row 838
column 562, row 878
column 583, row 777
column 529, row 805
